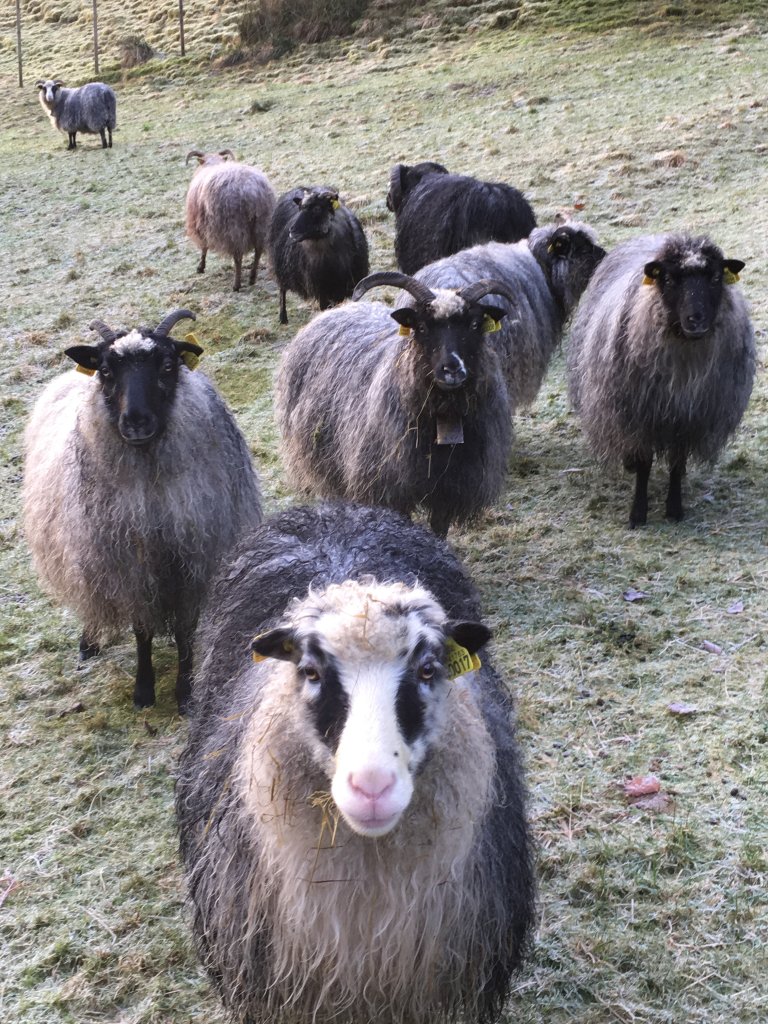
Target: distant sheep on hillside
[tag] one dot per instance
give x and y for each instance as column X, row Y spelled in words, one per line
column 91, row 109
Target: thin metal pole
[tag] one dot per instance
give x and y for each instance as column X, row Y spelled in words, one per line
column 18, row 41
column 95, row 39
column 181, row 26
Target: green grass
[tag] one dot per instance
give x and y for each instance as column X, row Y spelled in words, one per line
column 646, row 918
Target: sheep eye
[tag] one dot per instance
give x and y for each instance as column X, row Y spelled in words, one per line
column 105, row 373
column 168, row 366
column 427, row 672
column 311, row 675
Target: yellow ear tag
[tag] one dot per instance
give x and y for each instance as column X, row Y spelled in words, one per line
column 647, row 280
column 729, row 277
column 85, row 370
column 460, row 661
column 335, row 204
column 189, row 359
column 490, row 325
column 405, row 331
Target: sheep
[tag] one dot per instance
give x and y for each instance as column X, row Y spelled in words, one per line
column 350, row 806
column 317, row 247
column 136, row 482
column 547, row 274
column 438, row 213
column 228, row 209
column 661, row 359
column 408, row 417
column 92, row 108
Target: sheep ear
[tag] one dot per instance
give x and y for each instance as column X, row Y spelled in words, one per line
column 277, row 643
column 652, row 272
column 406, row 317
column 731, row 270
column 86, row 356
column 492, row 317
column 188, row 351
column 470, row 635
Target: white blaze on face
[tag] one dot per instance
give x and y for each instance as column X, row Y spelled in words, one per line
column 371, row 635
column 133, row 342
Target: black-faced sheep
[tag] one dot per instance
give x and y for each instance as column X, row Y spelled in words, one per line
column 418, row 415
column 228, row 209
column 92, row 109
column 136, row 482
column 546, row 274
column 352, row 817
column 661, row 358
column 317, row 247
column 438, row 214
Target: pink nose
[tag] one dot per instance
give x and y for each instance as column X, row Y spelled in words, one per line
column 372, row 783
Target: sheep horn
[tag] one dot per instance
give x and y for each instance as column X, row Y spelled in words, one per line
column 227, row 152
column 178, row 314
column 106, row 332
column 476, row 291
column 417, row 289
column 194, row 152
column 395, row 194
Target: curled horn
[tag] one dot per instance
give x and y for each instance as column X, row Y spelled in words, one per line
column 195, row 152
column 395, row 194
column 40, row 83
column 169, row 321
column 476, row 291
column 417, row 289
column 227, row 153
column 106, row 332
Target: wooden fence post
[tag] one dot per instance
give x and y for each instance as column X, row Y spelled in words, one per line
column 181, row 25
column 95, row 39
column 18, row 42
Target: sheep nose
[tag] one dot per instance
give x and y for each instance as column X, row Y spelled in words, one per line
column 372, row 783
column 138, row 428
column 695, row 324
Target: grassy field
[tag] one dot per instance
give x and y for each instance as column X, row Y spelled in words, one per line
column 647, row 916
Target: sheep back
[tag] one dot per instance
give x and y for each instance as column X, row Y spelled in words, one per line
column 324, row 269
column 122, row 535
column 351, row 406
column 638, row 386
column 228, row 208
column 445, row 213
column 354, row 950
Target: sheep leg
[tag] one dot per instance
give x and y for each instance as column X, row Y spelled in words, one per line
column 201, row 264
column 254, row 267
column 439, row 521
column 238, row 272
column 103, row 135
column 144, row 690
column 109, row 132
column 639, row 511
column 283, row 310
column 184, row 678
column 87, row 649
column 72, row 142
column 674, row 494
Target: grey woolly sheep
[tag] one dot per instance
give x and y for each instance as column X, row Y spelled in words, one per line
column 438, row 213
column 408, row 417
column 228, row 209
column 350, row 806
column 317, row 247
column 92, row 109
column 546, row 274
column 136, row 482
column 661, row 358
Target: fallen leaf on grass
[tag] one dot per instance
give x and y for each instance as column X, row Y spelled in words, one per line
column 633, row 595
column 736, row 607
column 707, row 645
column 151, row 729
column 641, row 785
column 681, row 709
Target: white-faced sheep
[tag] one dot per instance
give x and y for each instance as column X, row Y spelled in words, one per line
column 399, row 408
column 136, row 482
column 438, row 213
column 91, row 109
column 352, row 817
column 317, row 247
column 661, row 358
column 546, row 274
column 228, row 209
